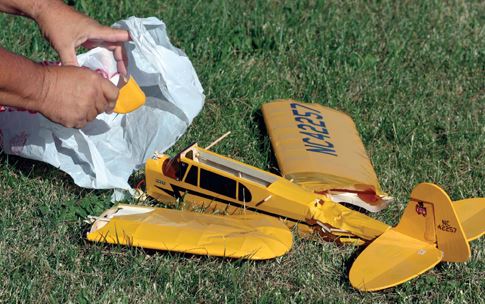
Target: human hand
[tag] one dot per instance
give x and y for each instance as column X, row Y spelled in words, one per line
column 73, row 96
column 67, row 29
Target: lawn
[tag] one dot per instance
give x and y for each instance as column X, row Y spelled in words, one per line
column 410, row 73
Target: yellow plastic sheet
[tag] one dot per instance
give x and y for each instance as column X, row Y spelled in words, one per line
column 320, row 149
column 130, row 98
column 252, row 236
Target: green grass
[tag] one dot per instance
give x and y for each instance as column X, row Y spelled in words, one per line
column 410, row 73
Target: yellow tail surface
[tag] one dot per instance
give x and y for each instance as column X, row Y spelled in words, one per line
column 471, row 213
column 443, row 226
column 429, row 231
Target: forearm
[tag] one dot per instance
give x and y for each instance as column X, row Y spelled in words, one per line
column 28, row 8
column 21, row 81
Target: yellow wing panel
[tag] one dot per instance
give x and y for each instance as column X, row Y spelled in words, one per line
column 392, row 259
column 320, row 149
column 130, row 98
column 252, row 236
column 471, row 213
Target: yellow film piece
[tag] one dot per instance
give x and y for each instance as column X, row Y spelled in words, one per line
column 130, row 98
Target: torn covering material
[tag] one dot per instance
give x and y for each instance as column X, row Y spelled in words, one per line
column 320, row 149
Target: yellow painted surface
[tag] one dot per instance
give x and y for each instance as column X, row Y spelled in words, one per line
column 320, row 149
column 130, row 98
column 471, row 213
column 392, row 259
column 249, row 236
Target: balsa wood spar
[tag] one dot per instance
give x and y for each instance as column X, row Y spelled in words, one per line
column 432, row 229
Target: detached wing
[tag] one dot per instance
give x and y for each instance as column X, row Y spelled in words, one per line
column 253, row 236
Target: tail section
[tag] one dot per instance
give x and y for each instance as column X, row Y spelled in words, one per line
column 431, row 205
column 430, row 231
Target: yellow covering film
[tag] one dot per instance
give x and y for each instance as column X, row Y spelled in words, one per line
column 252, row 236
column 429, row 231
column 130, row 98
column 471, row 213
column 320, row 149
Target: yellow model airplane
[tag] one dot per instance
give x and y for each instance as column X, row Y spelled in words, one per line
column 432, row 228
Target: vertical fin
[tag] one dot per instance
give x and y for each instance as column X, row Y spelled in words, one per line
column 449, row 234
column 418, row 221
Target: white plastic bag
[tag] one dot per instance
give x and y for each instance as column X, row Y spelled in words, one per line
column 105, row 152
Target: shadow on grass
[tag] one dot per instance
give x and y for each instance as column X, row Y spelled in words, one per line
column 264, row 142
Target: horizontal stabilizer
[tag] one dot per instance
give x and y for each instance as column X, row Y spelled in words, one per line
column 471, row 213
column 392, row 259
column 250, row 236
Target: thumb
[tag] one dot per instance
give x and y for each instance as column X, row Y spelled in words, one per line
column 68, row 56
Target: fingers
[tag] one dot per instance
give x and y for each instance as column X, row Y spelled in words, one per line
column 121, row 60
column 110, row 92
column 109, row 34
column 68, row 56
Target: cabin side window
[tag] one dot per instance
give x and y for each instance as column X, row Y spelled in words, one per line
column 243, row 194
column 192, row 175
column 174, row 168
column 217, row 183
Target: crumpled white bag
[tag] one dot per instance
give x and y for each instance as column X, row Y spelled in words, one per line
column 107, row 150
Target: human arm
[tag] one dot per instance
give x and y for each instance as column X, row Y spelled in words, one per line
column 67, row 29
column 70, row 96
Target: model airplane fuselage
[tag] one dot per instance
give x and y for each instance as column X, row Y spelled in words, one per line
column 217, row 182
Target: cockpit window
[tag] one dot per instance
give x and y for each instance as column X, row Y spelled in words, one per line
column 192, row 175
column 217, row 183
column 174, row 168
column 190, row 155
column 243, row 194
